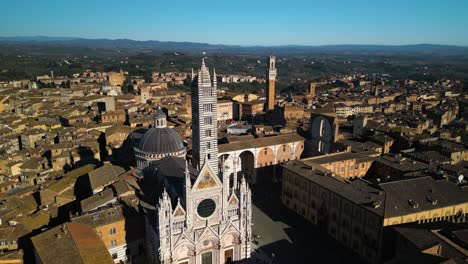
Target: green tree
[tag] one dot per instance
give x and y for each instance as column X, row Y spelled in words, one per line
column 130, row 88
column 188, row 82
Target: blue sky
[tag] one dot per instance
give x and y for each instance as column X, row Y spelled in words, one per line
column 253, row 22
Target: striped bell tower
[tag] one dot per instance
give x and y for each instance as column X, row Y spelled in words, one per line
column 204, row 123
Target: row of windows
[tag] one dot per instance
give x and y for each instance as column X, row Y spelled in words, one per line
column 207, row 92
column 112, row 231
column 208, row 120
column 207, row 107
column 351, row 167
column 5, row 243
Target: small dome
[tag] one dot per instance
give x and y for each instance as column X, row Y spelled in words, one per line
column 161, row 141
column 159, row 114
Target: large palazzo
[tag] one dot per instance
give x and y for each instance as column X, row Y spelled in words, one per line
column 203, row 212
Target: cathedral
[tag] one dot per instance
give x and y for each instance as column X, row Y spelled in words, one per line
column 202, row 212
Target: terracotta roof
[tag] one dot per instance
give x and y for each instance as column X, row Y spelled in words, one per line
column 101, row 217
column 425, row 193
column 104, row 175
column 76, row 243
column 358, row 191
column 101, row 198
column 13, row 256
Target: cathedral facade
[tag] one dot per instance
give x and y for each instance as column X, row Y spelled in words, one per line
column 202, row 214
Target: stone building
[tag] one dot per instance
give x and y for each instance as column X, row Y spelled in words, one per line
column 201, row 216
column 225, row 110
column 358, row 213
column 293, row 111
column 347, row 165
column 120, row 229
column 116, row 116
column 116, row 78
column 250, row 108
column 257, row 158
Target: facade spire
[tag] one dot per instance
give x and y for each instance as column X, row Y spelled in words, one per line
column 214, row 77
column 187, row 175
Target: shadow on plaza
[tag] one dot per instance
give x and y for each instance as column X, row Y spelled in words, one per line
column 306, row 244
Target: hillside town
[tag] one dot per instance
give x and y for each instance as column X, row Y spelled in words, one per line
column 108, row 167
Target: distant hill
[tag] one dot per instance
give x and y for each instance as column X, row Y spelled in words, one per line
column 193, row 47
column 35, row 39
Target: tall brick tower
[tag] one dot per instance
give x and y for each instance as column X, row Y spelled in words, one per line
column 271, row 78
column 311, row 94
column 312, row 87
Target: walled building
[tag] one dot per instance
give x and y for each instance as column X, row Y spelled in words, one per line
column 346, row 165
column 115, row 117
column 357, row 213
column 252, row 158
column 249, row 109
column 121, row 230
column 292, row 111
column 225, row 110
column 441, row 242
column 390, row 167
column 116, row 78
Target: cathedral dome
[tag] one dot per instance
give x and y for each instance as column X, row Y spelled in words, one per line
column 158, row 142
column 161, row 140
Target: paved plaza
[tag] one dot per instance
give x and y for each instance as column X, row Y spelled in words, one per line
column 281, row 236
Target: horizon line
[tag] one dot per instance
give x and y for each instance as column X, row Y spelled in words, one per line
column 239, row 45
